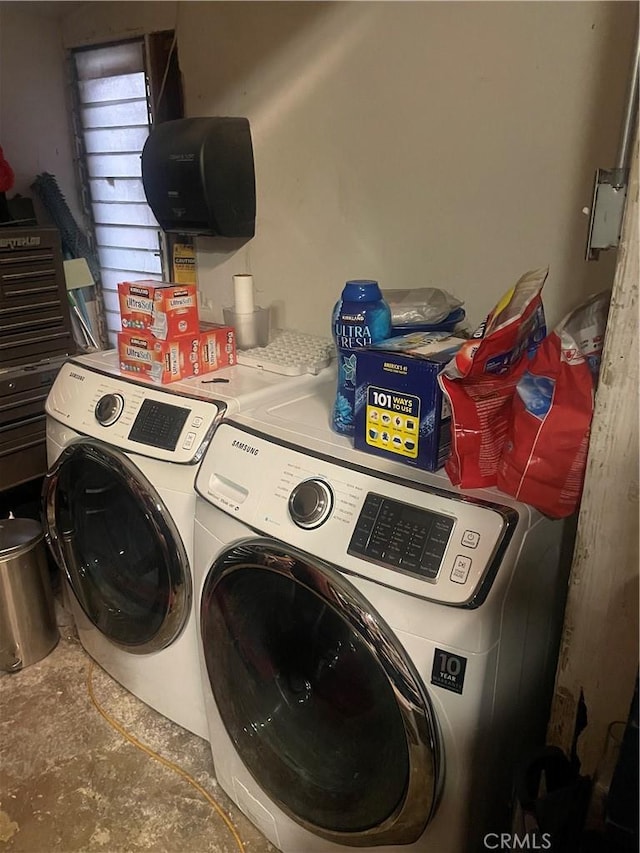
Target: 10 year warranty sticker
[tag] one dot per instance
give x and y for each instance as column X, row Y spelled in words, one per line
column 448, row 670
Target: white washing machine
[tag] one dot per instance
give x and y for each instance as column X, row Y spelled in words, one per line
column 118, row 507
column 378, row 648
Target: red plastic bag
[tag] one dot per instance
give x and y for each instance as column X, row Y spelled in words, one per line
column 544, row 457
column 480, row 381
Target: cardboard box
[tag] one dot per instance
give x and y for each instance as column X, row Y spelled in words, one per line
column 400, row 411
column 179, row 358
column 162, row 309
column 217, row 344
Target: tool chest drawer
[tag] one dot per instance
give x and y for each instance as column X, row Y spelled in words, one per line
column 23, row 392
column 34, row 310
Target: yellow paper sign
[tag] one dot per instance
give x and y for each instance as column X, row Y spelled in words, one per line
column 184, row 264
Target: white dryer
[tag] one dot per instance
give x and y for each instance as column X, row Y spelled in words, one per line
column 378, row 648
column 118, row 508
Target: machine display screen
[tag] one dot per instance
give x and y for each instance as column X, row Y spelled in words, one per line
column 159, row 424
column 401, row 536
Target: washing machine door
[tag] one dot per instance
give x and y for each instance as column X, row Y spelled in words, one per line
column 319, row 698
column 118, row 547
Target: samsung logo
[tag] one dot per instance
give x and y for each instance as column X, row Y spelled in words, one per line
column 246, row 447
column 76, row 376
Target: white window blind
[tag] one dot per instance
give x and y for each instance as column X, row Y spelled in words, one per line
column 113, row 121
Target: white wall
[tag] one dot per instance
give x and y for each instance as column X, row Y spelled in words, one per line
column 447, row 144
column 34, row 125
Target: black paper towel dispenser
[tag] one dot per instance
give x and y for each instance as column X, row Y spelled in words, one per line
column 199, row 178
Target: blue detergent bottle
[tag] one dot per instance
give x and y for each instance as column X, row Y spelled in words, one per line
column 361, row 317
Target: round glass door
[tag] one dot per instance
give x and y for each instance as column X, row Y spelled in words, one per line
column 117, row 546
column 319, row 698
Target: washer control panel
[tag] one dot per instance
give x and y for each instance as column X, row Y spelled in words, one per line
column 151, row 421
column 401, row 536
column 159, row 424
column 431, row 544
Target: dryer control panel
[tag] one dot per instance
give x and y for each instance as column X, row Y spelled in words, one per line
column 440, row 546
column 136, row 418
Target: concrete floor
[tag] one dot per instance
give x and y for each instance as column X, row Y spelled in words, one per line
column 71, row 782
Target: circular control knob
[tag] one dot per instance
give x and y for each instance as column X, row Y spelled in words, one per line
column 310, row 503
column 108, row 409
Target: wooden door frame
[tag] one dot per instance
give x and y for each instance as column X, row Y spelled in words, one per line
column 598, row 661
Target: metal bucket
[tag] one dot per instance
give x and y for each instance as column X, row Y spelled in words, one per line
column 28, row 630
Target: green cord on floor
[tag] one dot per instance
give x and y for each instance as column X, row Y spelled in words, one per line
column 176, row 769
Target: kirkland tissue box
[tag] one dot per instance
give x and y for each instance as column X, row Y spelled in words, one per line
column 400, row 411
column 162, row 309
column 179, row 358
column 217, row 346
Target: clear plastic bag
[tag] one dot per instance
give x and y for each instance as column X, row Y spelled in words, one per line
column 420, row 305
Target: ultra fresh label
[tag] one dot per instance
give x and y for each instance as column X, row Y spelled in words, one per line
column 348, row 336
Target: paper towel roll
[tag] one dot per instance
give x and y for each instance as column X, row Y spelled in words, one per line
column 243, row 294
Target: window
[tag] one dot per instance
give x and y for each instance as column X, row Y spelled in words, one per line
column 115, row 104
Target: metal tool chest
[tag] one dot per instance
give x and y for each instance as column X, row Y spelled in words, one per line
column 35, row 339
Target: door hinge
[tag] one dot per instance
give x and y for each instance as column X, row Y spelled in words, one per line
column 607, row 211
